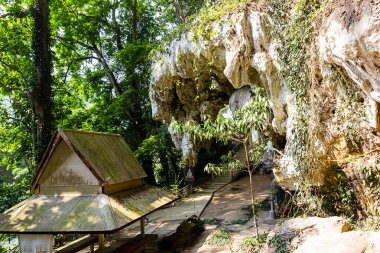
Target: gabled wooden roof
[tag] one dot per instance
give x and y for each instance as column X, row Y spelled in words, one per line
column 107, row 155
column 83, row 214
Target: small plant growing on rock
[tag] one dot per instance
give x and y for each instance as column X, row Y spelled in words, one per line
column 234, row 127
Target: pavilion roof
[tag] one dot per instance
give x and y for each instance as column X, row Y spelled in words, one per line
column 91, row 214
column 107, row 155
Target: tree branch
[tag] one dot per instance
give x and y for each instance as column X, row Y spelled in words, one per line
column 17, row 14
column 10, row 88
column 116, row 26
column 100, row 57
column 78, row 59
column 21, row 121
column 14, row 68
column 110, row 74
column 178, row 11
column 135, row 19
column 76, row 42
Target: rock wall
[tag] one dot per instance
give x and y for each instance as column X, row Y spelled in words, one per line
column 200, row 73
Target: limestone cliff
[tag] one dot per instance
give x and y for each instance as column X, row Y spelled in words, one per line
column 320, row 67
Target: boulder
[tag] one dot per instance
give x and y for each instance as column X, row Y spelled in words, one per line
column 315, row 234
column 350, row 242
column 185, row 234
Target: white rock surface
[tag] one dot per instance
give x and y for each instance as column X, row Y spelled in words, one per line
column 315, row 235
column 350, row 38
column 350, row 242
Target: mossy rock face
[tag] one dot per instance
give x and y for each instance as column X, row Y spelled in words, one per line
column 185, row 234
column 317, row 61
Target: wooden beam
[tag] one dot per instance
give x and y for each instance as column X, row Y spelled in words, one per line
column 113, row 188
column 78, row 244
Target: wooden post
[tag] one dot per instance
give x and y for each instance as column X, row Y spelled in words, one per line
column 142, row 226
column 101, row 243
column 92, row 248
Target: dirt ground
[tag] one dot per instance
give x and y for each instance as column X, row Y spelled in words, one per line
column 230, row 202
column 229, row 210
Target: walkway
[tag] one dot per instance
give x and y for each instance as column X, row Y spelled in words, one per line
column 194, row 204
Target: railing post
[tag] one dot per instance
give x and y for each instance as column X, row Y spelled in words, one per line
column 101, row 243
column 142, row 226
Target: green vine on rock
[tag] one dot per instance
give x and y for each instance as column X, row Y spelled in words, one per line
column 213, row 11
column 350, row 110
column 291, row 27
column 294, row 34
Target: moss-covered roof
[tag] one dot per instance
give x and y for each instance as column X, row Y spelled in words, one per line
column 83, row 214
column 107, row 155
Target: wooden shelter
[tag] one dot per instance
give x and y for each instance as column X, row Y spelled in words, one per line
column 87, row 182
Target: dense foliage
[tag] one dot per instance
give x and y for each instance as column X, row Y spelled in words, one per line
column 100, row 67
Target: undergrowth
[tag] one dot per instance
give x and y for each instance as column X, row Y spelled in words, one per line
column 220, row 239
column 253, row 244
column 370, row 175
column 282, row 243
column 213, row 221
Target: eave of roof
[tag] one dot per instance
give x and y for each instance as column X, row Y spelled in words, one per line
column 83, row 214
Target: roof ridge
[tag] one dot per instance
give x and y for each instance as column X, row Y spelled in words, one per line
column 88, row 132
column 114, row 220
column 90, row 165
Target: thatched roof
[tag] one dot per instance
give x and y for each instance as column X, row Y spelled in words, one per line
column 107, row 155
column 83, row 214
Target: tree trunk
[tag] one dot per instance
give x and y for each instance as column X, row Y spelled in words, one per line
column 165, row 167
column 41, row 93
column 250, row 172
column 116, row 27
column 178, row 11
column 135, row 20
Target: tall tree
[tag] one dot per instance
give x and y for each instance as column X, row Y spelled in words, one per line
column 41, row 92
column 16, row 71
column 103, row 49
column 178, row 11
column 100, row 50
